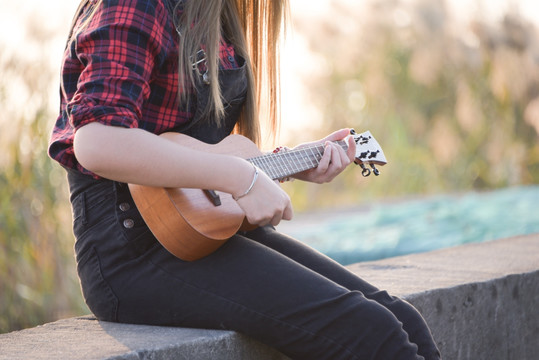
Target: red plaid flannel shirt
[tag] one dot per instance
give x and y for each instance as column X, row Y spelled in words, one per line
column 121, row 70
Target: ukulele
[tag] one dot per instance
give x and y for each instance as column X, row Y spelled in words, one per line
column 193, row 223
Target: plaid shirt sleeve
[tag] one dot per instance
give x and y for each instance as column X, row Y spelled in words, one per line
column 121, row 70
column 118, row 50
column 107, row 70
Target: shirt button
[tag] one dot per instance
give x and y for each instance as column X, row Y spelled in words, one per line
column 129, row 223
column 125, row 206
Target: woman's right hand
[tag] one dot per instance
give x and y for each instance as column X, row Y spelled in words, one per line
column 266, row 203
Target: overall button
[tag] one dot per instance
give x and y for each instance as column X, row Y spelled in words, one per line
column 124, row 206
column 129, row 223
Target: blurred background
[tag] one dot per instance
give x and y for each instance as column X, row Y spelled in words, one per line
column 449, row 88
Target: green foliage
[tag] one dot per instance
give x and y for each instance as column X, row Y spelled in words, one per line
column 454, row 107
column 37, row 271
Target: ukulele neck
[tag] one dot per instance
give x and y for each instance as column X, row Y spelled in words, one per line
column 287, row 163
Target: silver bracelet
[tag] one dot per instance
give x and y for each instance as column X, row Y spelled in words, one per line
column 255, row 176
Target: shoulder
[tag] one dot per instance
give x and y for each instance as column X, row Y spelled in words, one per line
column 144, row 25
column 147, row 6
column 139, row 16
column 133, row 10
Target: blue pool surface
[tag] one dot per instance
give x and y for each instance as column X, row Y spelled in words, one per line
column 391, row 229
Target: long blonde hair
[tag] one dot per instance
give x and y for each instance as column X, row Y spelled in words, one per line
column 254, row 28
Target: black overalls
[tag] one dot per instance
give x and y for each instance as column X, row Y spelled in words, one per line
column 261, row 283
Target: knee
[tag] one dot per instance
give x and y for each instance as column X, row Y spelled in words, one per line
column 372, row 331
column 402, row 309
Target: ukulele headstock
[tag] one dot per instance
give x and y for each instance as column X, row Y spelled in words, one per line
column 368, row 152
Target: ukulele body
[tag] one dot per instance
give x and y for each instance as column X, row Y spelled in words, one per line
column 187, row 222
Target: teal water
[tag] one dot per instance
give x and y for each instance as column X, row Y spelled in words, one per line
column 385, row 230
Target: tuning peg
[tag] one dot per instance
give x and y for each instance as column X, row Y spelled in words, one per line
column 375, row 170
column 366, row 172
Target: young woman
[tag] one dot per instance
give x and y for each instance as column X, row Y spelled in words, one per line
column 134, row 69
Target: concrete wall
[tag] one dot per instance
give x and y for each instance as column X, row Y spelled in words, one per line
column 480, row 301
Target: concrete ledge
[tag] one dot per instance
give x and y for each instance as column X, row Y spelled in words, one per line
column 480, row 301
column 86, row 338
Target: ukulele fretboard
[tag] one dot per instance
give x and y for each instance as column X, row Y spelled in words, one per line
column 287, row 163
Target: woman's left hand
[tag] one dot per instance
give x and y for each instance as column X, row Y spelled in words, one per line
column 334, row 160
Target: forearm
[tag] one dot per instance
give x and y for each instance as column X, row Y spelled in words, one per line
column 137, row 156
